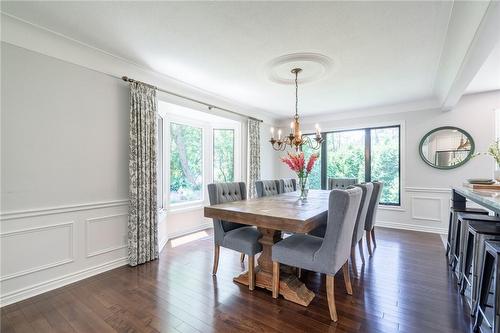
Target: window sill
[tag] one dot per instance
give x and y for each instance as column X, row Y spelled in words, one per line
column 184, row 209
column 393, row 208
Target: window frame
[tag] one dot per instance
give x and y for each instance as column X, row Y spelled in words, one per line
column 368, row 157
column 160, row 168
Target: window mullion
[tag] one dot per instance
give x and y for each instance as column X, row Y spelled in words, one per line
column 324, row 165
column 368, row 155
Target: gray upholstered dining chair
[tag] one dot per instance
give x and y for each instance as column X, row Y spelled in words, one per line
column 266, row 188
column 340, row 182
column 288, row 185
column 324, row 255
column 357, row 236
column 234, row 236
column 371, row 215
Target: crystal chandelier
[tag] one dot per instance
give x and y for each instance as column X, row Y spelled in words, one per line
column 296, row 139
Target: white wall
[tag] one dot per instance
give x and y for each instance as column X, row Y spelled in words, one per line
column 425, row 190
column 268, row 157
column 64, row 155
column 64, row 193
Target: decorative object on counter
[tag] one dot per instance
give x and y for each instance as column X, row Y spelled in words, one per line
column 484, row 181
column 446, row 147
column 296, row 139
column 483, row 186
column 494, row 151
column 297, row 163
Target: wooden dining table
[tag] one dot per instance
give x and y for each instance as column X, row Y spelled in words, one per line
column 272, row 215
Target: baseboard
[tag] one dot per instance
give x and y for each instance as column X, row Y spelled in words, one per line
column 162, row 244
column 190, row 230
column 412, row 227
column 58, row 282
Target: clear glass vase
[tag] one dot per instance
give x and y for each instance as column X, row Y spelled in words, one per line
column 303, row 188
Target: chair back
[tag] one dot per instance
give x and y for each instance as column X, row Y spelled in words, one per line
column 367, row 189
column 336, row 247
column 371, row 215
column 225, row 192
column 288, row 185
column 340, row 182
column 266, row 188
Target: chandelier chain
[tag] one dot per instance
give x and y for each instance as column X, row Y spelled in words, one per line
column 296, row 139
column 296, row 95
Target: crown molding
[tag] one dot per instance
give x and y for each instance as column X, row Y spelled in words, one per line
column 420, row 105
column 35, row 38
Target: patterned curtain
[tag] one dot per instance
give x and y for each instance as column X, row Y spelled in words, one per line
column 253, row 155
column 142, row 222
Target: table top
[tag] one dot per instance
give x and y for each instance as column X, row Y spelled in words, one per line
column 487, row 198
column 284, row 212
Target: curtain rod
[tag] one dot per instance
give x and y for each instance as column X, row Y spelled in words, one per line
column 210, row 106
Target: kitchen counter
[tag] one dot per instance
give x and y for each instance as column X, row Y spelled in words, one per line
column 489, row 199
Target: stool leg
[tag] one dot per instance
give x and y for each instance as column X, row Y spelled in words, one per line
column 448, row 240
column 467, row 264
column 478, row 252
column 484, row 289
column 456, row 252
column 496, row 320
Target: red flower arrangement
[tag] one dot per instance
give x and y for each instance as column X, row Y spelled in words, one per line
column 297, row 163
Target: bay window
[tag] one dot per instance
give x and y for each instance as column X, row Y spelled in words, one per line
column 193, row 153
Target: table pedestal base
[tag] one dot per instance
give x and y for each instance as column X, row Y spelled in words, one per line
column 291, row 288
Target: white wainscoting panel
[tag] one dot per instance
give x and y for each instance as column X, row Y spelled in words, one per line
column 45, row 249
column 105, row 234
column 423, row 209
column 426, row 208
column 49, row 246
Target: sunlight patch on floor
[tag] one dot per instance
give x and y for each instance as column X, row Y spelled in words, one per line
column 188, row 238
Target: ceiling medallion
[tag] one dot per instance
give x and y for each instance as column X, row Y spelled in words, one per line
column 315, row 66
column 296, row 139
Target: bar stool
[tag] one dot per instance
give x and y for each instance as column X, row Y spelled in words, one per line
column 488, row 228
column 454, row 210
column 461, row 227
column 488, row 307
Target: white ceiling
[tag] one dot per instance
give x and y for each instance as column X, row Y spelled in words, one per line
column 383, row 53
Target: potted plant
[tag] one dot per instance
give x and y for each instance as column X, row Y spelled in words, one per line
column 297, row 163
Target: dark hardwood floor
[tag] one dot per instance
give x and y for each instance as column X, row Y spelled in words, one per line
column 404, row 287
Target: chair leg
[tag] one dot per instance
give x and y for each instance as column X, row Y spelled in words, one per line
column 361, row 253
column 347, row 278
column 368, row 245
column 276, row 279
column 242, row 257
column 373, row 238
column 251, row 273
column 216, row 259
column 299, row 272
column 330, row 294
column 353, row 260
